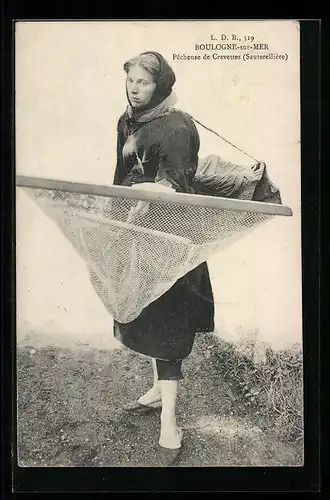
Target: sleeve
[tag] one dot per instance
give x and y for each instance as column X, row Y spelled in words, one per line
column 175, row 158
column 120, row 173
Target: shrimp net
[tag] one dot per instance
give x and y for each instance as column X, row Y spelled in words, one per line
column 136, row 250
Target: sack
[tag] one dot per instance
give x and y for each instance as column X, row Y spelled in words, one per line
column 216, row 177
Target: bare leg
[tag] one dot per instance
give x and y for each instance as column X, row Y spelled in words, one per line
column 154, row 394
column 170, row 434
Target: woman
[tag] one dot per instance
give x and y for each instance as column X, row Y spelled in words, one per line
column 159, row 144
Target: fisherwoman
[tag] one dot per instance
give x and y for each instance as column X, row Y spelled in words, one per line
column 157, row 143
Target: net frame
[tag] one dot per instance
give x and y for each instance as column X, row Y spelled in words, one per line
column 160, row 197
column 182, row 247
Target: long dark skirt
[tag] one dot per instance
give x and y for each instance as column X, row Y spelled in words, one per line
column 166, row 328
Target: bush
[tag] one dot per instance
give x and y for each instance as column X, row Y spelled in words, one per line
column 274, row 387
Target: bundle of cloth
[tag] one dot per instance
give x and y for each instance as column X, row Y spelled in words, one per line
column 217, row 177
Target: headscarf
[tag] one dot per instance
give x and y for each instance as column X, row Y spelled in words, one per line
column 146, row 115
column 165, row 81
column 162, row 99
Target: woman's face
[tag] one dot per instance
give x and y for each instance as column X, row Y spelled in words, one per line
column 140, row 86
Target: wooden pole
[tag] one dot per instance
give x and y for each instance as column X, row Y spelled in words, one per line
column 159, row 197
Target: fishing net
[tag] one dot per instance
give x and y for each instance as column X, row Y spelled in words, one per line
column 136, row 250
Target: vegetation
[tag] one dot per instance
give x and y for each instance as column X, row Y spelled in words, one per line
column 272, row 387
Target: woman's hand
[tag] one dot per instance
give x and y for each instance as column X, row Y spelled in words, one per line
column 258, row 169
column 142, row 207
column 154, row 186
column 256, row 166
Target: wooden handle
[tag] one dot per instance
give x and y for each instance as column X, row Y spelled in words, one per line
column 159, row 197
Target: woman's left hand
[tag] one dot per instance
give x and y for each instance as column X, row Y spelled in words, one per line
column 256, row 166
column 257, row 170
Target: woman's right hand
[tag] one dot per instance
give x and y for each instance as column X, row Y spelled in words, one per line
column 142, row 207
column 153, row 186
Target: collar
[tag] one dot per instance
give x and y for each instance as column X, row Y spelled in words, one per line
column 151, row 114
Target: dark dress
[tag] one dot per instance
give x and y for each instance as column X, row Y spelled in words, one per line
column 168, row 147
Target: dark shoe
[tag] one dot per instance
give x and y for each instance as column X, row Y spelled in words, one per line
column 167, row 456
column 137, row 408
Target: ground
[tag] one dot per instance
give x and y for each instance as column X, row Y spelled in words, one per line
column 70, row 400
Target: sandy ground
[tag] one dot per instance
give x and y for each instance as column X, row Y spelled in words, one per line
column 70, row 395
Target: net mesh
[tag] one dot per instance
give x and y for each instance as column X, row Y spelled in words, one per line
column 136, row 250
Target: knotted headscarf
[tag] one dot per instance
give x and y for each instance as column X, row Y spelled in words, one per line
column 164, row 81
column 163, row 97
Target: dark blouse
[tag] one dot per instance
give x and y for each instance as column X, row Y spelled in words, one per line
column 167, row 146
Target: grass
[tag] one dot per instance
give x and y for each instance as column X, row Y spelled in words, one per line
column 271, row 385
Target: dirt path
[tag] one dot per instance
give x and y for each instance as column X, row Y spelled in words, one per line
column 69, row 411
